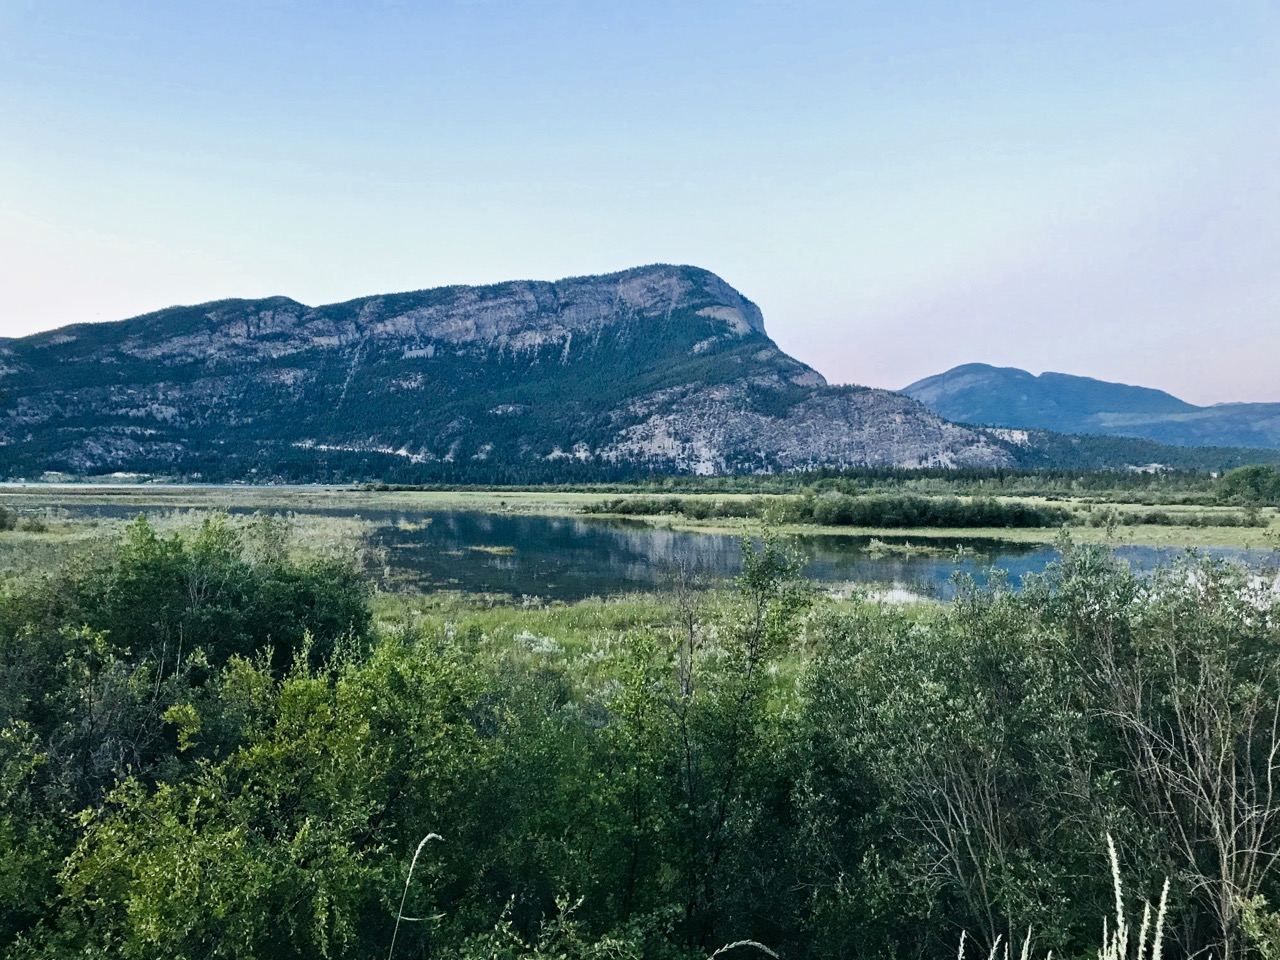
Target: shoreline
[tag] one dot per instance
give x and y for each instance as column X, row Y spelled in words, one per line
column 571, row 504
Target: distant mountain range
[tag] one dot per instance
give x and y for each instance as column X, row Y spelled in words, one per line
column 659, row 369
column 976, row 393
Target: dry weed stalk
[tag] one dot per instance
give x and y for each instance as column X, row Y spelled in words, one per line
column 1115, row 943
column 994, row 953
column 744, row 943
column 405, row 895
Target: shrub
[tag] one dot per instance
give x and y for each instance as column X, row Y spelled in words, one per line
column 1255, row 484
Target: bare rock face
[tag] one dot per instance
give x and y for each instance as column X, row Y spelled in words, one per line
column 661, row 368
column 717, row 431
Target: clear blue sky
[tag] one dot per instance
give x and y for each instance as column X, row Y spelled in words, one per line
column 1091, row 187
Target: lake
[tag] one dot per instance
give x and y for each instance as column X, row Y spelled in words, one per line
column 569, row 558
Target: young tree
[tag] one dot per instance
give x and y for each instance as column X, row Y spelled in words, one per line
column 1195, row 697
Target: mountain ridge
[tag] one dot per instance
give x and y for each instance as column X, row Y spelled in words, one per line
column 1008, row 397
column 659, row 368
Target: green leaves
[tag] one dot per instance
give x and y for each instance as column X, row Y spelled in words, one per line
column 648, row 777
column 285, row 846
column 1250, row 485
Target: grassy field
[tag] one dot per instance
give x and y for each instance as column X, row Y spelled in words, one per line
column 34, row 497
column 1155, row 535
column 49, row 527
column 56, row 504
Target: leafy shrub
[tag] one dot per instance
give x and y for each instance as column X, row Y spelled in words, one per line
column 844, row 510
column 1241, row 518
column 844, row 780
column 162, row 596
column 1255, row 484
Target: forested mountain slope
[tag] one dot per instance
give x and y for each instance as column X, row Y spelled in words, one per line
column 1008, row 397
column 656, row 368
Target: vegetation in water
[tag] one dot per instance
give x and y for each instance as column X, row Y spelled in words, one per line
column 885, row 511
column 897, row 511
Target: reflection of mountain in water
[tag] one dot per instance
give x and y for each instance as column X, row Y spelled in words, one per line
column 558, row 557
column 929, row 573
column 567, row 558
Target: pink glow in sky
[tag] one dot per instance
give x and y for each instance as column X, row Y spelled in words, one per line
column 1083, row 187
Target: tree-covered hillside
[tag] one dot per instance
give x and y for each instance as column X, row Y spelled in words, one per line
column 657, row 368
column 1007, row 397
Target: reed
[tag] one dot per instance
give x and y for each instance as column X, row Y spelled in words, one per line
column 405, row 893
column 1115, row 940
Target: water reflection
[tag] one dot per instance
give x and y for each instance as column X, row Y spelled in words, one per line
column 569, row 558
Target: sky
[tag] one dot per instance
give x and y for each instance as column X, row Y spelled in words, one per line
column 902, row 186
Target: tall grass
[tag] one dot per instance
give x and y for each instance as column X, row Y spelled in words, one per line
column 1115, row 940
column 405, row 893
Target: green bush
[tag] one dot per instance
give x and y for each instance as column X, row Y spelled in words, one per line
column 843, row 510
column 1255, row 484
column 832, row 780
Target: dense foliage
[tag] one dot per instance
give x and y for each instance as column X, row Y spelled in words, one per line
column 1196, row 487
column 210, row 748
column 886, row 511
column 1110, row 516
column 1254, row 485
column 208, row 458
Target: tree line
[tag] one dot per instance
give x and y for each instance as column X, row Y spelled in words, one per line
column 1253, row 485
column 888, row 511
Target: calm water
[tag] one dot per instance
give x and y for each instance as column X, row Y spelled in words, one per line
column 568, row 558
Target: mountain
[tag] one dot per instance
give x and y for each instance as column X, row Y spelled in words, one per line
column 659, row 368
column 1008, row 397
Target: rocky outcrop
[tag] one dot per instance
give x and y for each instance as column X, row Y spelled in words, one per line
column 658, row 368
column 709, row 431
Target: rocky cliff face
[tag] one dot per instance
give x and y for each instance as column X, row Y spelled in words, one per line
column 657, row 368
